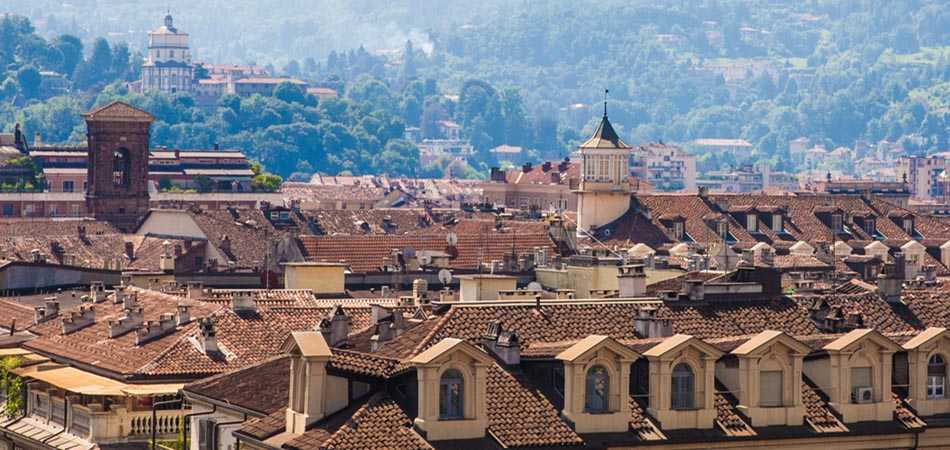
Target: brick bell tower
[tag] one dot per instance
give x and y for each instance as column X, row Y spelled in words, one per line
column 117, row 173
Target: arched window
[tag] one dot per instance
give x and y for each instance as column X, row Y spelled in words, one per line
column 597, row 399
column 682, row 387
column 121, row 167
column 450, row 395
column 936, row 377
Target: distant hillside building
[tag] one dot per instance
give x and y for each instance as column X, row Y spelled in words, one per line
column 739, row 148
column 664, row 166
column 169, row 68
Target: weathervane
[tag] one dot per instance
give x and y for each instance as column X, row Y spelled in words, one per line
column 606, row 91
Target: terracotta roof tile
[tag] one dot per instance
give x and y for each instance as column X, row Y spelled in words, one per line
column 905, row 414
column 728, row 418
column 10, row 311
column 242, row 387
column 818, row 413
column 520, row 416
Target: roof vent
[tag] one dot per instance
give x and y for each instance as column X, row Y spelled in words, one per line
column 503, row 345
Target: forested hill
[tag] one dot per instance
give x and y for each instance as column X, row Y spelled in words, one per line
column 529, row 74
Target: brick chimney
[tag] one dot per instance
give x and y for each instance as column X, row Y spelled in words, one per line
column 182, row 314
column 130, row 250
column 225, row 245
column 632, row 281
column 44, row 313
column 81, row 229
column 526, row 167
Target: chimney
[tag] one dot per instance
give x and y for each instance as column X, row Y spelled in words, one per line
column 97, row 291
column 900, row 265
column 632, row 281
column 704, row 192
column 503, row 345
column 193, row 289
column 130, row 250
column 215, row 146
column 336, row 327
column 119, row 295
column 44, row 313
column 649, row 326
column 526, row 167
column 225, row 244
column 130, row 300
column 497, row 174
column 79, row 320
column 208, row 338
column 242, row 301
column 384, row 292
column 890, row 284
column 37, row 255
column 152, row 330
column 182, row 314
column 134, row 318
column 177, row 154
column 695, row 290
column 37, row 139
column 420, row 291
column 177, row 250
column 81, row 229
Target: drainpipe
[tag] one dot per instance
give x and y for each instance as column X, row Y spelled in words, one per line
column 186, row 421
column 155, row 417
column 217, row 426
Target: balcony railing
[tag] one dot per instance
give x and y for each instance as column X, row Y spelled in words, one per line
column 139, row 423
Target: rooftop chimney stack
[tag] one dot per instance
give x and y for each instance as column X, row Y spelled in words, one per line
column 208, row 337
column 632, row 281
column 85, row 317
column 503, row 345
column 336, row 327
column 242, row 301
column 182, row 314
column 134, row 318
column 130, row 250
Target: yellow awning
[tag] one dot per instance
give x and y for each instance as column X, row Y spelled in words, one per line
column 152, row 389
column 13, row 352
column 73, row 380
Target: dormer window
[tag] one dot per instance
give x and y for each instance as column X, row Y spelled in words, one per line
column 837, row 222
column 909, row 225
column 450, row 395
column 777, row 223
column 722, row 229
column 681, row 389
column 678, row 230
column 770, row 388
column 870, row 227
column 936, row 377
column 752, row 223
column 597, row 399
column 861, row 385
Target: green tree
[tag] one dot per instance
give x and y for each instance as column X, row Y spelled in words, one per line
column 29, row 80
column 266, row 182
column 204, row 183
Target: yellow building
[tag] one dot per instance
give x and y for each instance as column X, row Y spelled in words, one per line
column 321, row 278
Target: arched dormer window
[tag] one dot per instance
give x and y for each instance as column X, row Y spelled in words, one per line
column 597, row 398
column 936, row 377
column 451, row 387
column 682, row 387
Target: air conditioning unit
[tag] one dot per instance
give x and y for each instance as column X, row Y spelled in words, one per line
column 862, row 395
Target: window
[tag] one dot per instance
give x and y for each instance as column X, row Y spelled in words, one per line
column 682, row 387
column 909, row 226
column 870, row 227
column 860, row 378
column 751, row 223
column 53, row 210
column 777, row 225
column 450, row 395
column 121, row 167
column 29, row 210
column 837, row 222
column 75, row 210
column 597, row 399
column 678, row 230
column 69, row 186
column 770, row 388
column 723, row 229
column 205, row 434
column 8, row 210
column 936, row 377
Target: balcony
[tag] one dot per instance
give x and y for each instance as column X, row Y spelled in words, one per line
column 95, row 423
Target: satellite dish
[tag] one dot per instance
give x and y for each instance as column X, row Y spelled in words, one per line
column 409, row 252
column 425, row 259
column 452, row 239
column 535, row 286
column 445, row 276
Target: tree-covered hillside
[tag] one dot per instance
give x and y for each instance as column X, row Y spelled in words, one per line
column 530, row 74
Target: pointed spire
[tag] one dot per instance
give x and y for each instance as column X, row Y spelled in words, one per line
column 605, row 136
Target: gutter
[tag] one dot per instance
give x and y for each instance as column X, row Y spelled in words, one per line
column 186, row 421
